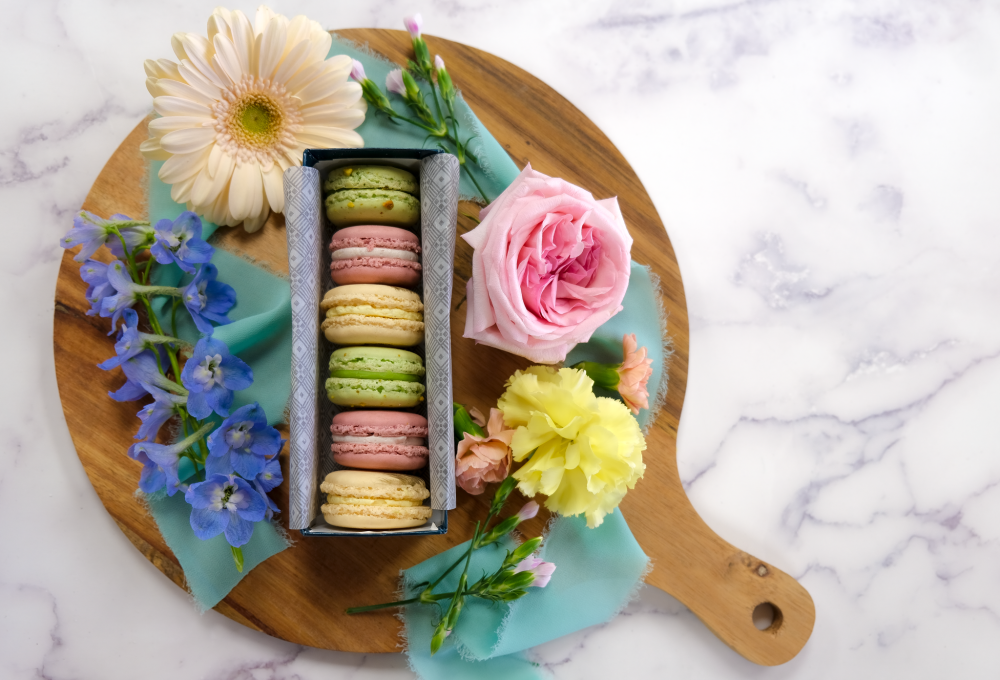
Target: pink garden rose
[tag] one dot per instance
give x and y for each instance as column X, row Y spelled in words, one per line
column 550, row 266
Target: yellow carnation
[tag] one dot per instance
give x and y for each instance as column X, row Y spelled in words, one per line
column 586, row 451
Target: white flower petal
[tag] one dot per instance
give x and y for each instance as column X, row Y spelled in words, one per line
column 199, row 82
column 320, row 88
column 201, row 54
column 151, row 150
column 162, row 126
column 262, row 18
column 183, row 166
column 292, row 63
column 258, row 206
column 180, row 192
column 305, row 76
column 254, row 223
column 333, row 116
column 218, row 24
column 340, row 62
column 176, row 42
column 227, row 59
column 245, row 183
column 298, row 29
column 214, row 157
column 255, row 56
column 243, row 39
column 272, row 46
column 175, row 88
column 152, row 87
column 220, row 181
column 188, row 141
column 274, row 188
column 327, row 137
column 180, row 106
column 161, row 68
column 344, row 95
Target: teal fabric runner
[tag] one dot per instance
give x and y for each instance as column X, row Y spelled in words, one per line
column 597, row 569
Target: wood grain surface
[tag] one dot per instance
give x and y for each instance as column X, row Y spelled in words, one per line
column 300, row 594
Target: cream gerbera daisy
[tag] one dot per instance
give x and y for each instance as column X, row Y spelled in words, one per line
column 241, row 106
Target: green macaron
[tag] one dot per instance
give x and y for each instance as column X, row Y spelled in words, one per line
column 375, row 377
column 372, row 194
column 371, row 177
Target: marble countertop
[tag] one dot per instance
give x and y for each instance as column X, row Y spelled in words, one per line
column 828, row 173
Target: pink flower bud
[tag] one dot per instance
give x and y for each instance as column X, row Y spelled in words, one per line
column 413, row 25
column 358, row 71
column 394, row 82
column 438, row 62
column 529, row 510
column 541, row 569
column 634, row 374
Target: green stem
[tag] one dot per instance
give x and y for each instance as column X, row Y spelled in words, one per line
column 237, row 558
column 145, row 273
column 173, row 316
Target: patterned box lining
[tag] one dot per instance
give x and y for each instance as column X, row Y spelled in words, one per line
column 309, row 265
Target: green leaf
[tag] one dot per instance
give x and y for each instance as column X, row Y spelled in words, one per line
column 237, row 558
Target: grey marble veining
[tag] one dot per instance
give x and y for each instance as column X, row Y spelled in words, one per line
column 827, row 172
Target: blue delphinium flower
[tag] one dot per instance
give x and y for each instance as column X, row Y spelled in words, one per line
column 180, row 242
column 211, row 375
column 143, row 368
column 128, row 291
column 153, row 478
column 135, row 236
column 225, row 504
column 90, row 230
column 243, row 443
column 269, row 479
column 155, row 414
column 131, row 341
column 95, row 275
column 168, row 456
column 208, row 300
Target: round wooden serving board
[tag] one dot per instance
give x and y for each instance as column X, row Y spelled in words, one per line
column 300, row 594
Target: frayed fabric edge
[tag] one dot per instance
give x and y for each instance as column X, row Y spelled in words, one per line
column 667, row 347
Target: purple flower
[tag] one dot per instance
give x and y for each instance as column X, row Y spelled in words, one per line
column 267, row 480
column 128, row 291
column 140, row 369
column 225, row 505
column 243, row 443
column 541, row 570
column 211, row 374
column 135, row 236
column 358, row 71
column 91, row 231
column 207, row 299
column 394, row 82
column 131, row 341
column 527, row 511
column 153, row 478
column 413, row 25
column 271, row 477
column 180, row 242
column 95, row 275
column 155, row 414
column 165, row 457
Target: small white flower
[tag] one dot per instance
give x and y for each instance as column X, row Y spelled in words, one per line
column 239, row 107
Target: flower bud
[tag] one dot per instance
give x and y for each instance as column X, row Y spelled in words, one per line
column 394, row 82
column 464, row 423
column 444, row 80
column 358, row 71
column 541, row 571
column 603, row 375
column 413, row 25
column 500, row 497
column 529, row 510
column 411, row 87
column 524, row 550
column 438, row 62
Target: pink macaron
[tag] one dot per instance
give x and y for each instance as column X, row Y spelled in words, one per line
column 379, row 440
column 374, row 254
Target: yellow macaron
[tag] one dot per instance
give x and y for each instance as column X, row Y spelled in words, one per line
column 373, row 314
column 359, row 499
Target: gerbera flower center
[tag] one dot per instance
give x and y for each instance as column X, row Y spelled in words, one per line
column 256, row 119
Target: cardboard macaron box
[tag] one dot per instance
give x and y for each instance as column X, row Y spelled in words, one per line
column 371, row 246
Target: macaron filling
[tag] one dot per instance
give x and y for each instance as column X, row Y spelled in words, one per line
column 342, row 361
column 400, row 440
column 374, row 253
column 375, row 375
column 353, row 500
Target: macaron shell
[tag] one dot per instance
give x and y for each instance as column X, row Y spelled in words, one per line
column 348, row 520
column 376, row 234
column 379, row 459
column 378, row 359
column 375, row 270
column 371, row 177
column 358, row 392
column 350, row 207
column 385, row 423
column 356, row 329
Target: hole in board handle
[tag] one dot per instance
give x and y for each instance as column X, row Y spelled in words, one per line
column 766, row 617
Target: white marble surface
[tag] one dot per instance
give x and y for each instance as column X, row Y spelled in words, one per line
column 828, row 173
